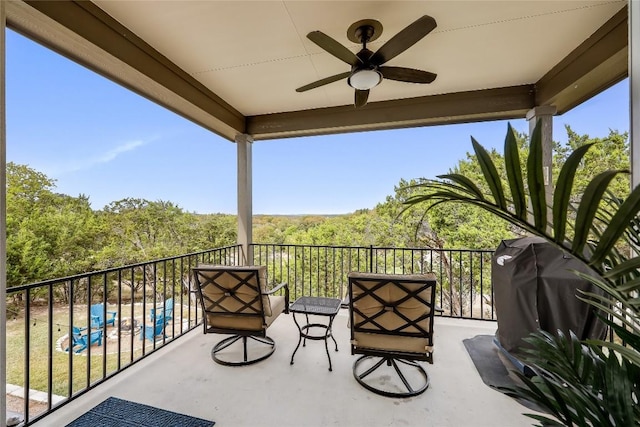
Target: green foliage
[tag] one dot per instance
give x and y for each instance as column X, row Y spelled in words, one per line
column 52, row 235
column 591, row 383
column 48, row 234
column 464, row 225
column 572, row 378
column 142, row 230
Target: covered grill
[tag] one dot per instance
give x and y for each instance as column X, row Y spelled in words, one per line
column 535, row 289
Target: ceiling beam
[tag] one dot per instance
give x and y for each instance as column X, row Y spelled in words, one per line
column 461, row 107
column 75, row 28
column 92, row 24
column 598, row 63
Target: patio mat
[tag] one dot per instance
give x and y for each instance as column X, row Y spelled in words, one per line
column 115, row 412
column 494, row 368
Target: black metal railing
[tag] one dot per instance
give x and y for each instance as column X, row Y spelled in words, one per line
column 464, row 276
column 41, row 317
column 46, row 352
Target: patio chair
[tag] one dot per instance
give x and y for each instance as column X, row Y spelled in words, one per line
column 155, row 329
column 79, row 339
column 391, row 321
column 167, row 312
column 235, row 301
column 98, row 320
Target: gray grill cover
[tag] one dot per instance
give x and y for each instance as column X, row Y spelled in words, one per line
column 533, row 288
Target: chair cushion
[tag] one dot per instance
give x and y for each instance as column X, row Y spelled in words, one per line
column 277, row 307
column 381, row 320
column 392, row 343
column 247, row 323
column 244, row 292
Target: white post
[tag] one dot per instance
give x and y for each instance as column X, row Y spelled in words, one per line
column 3, row 219
column 245, row 196
column 634, row 90
column 545, row 114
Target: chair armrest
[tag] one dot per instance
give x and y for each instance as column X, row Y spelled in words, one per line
column 286, row 294
column 112, row 313
column 277, row 288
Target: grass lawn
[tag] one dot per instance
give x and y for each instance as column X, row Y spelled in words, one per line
column 69, row 370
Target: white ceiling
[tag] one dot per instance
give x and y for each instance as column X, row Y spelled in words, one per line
column 234, row 66
column 255, row 54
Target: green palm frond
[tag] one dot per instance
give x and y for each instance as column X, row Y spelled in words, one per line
column 591, row 383
column 611, row 205
column 514, row 174
column 464, row 184
column 623, row 268
column 618, row 253
column 490, row 174
column 623, row 218
column 588, row 208
column 562, row 192
column 572, row 378
column 535, row 178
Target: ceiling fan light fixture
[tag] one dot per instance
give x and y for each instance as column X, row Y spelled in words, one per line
column 365, row 79
column 367, row 67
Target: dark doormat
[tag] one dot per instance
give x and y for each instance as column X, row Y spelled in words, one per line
column 494, row 368
column 115, row 412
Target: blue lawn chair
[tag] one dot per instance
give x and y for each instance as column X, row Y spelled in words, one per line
column 150, row 332
column 98, row 320
column 168, row 310
column 79, row 339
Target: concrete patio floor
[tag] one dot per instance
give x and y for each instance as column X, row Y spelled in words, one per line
column 183, row 378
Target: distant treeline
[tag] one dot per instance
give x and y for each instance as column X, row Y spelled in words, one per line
column 53, row 235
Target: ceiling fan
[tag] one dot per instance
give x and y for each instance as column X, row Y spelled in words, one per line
column 367, row 70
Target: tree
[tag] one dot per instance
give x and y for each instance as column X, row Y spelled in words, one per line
column 25, row 188
column 211, row 231
column 48, row 234
column 141, row 230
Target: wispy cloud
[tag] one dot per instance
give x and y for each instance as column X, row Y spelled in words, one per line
column 112, row 154
column 75, row 165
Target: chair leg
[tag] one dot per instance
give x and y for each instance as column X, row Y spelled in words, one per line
column 411, row 390
column 246, row 357
column 244, row 347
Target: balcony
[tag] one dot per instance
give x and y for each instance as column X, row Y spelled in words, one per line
column 175, row 371
column 183, row 378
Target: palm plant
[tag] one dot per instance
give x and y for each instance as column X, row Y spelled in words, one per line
column 585, row 383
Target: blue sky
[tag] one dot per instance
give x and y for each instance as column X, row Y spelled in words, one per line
column 101, row 140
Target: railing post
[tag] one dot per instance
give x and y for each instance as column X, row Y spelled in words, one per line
column 634, row 91
column 371, row 259
column 3, row 220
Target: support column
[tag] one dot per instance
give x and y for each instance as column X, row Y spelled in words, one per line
column 545, row 114
column 245, row 196
column 3, row 217
column 634, row 90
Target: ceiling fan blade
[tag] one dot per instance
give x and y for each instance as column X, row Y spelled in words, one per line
column 410, row 75
column 361, row 98
column 323, row 82
column 333, row 47
column 404, row 40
